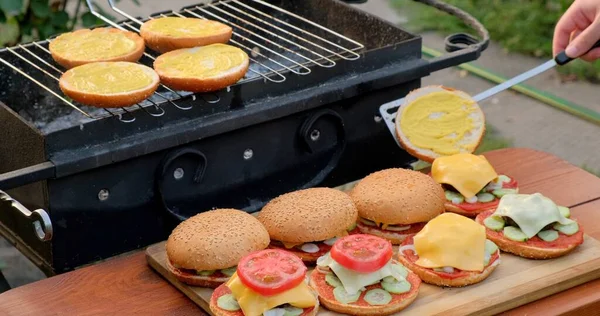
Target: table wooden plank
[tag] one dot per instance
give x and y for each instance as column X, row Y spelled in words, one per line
column 129, row 286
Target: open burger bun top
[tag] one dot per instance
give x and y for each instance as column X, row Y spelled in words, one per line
column 398, row 196
column 308, row 215
column 170, row 33
column 437, row 121
column 215, row 239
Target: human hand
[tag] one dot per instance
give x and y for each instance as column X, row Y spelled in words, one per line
column 578, row 30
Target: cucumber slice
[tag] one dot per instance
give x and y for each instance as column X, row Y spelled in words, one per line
column 548, row 235
column 568, row 229
column 332, row 280
column 490, row 247
column 494, row 223
column 396, row 287
column 377, row 297
column 454, row 197
column 205, row 272
column 400, row 269
column 485, row 197
column 292, row 311
column 564, row 211
column 344, row 297
column 503, row 179
column 502, row 192
column 514, row 233
column 367, row 222
column 352, row 227
column 228, row 303
column 229, row 271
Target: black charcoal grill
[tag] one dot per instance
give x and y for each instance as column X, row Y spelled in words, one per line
column 104, row 182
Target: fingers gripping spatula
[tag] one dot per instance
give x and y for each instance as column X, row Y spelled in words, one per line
column 561, row 59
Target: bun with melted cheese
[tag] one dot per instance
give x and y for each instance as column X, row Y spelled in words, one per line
column 170, row 33
column 469, row 141
column 101, row 44
column 202, row 69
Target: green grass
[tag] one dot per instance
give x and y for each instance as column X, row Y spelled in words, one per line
column 519, row 26
column 492, row 141
column 593, row 171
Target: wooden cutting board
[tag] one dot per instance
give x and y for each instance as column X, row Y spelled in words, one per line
column 515, row 282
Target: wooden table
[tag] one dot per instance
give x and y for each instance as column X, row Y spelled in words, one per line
column 127, row 286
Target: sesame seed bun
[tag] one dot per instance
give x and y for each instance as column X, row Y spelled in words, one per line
column 398, row 197
column 216, row 239
column 308, row 215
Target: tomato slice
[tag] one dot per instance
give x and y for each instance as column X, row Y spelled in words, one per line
column 271, row 271
column 512, row 184
column 362, row 253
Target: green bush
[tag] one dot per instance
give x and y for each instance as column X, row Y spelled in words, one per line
column 519, row 26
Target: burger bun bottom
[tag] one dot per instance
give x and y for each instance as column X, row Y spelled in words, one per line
column 196, row 280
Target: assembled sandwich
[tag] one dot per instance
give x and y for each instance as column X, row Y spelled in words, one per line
column 394, row 203
column 532, row 226
column 307, row 222
column 451, row 250
column 205, row 249
column 470, row 183
column 359, row 277
column 269, row 282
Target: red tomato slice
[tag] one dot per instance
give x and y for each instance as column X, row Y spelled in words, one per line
column 513, row 184
column 271, row 271
column 362, row 253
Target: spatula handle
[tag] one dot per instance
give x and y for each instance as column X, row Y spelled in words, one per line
column 562, row 58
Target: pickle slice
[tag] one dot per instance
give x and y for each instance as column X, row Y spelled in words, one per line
column 568, row 229
column 514, row 233
column 228, row 303
column 548, row 235
column 205, row 272
column 564, row 211
column 494, row 223
column 229, row 271
column 332, row 280
column 396, row 286
column 344, row 297
column 378, row 297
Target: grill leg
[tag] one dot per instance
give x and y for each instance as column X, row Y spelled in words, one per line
column 4, row 286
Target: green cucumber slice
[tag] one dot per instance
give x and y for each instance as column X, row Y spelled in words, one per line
column 494, row 223
column 228, row 303
column 485, row 197
column 229, row 271
column 568, row 229
column 514, row 233
column 454, row 197
column 503, row 179
column 205, row 272
column 344, row 297
column 377, row 297
column 548, row 235
column 490, row 247
column 396, row 287
column 367, row 222
column 352, row 227
column 332, row 280
column 292, row 311
column 564, row 211
column 502, row 192
column 400, row 269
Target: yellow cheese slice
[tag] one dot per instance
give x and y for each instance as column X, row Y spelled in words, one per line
column 290, row 245
column 466, row 172
column 254, row 304
column 532, row 212
column 451, row 240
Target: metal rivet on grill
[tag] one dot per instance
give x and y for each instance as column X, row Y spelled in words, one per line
column 103, row 195
column 377, row 118
column 248, row 153
column 314, row 135
column 178, row 173
column 255, row 52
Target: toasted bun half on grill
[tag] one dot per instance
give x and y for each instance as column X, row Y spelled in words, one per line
column 394, row 203
column 205, row 249
column 449, row 113
column 306, row 222
column 109, row 84
column 202, row 69
column 100, row 44
column 170, row 33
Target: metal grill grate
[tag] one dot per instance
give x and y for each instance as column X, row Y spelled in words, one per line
column 278, row 42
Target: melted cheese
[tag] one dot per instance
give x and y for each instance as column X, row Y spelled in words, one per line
column 467, row 173
column 202, row 62
column 254, row 304
column 97, row 44
column 184, row 27
column 109, row 77
column 532, row 212
column 451, row 240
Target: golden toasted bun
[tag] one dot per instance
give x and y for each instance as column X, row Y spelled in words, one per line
column 196, row 280
column 180, row 80
column 318, row 283
column 108, row 100
column 473, row 137
column 163, row 42
column 215, row 239
column 223, row 290
column 68, row 58
column 530, row 251
column 430, row 277
column 455, row 209
column 308, row 215
column 398, row 196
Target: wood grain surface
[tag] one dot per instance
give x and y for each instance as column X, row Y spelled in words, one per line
column 128, row 286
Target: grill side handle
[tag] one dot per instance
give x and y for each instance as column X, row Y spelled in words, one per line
column 461, row 47
column 39, row 218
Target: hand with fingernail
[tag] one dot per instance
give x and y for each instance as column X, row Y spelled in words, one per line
column 578, row 30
